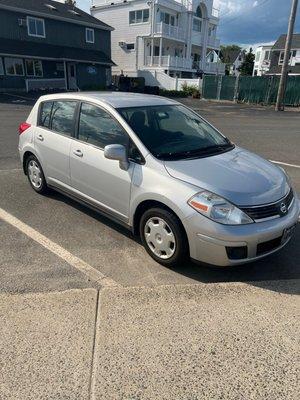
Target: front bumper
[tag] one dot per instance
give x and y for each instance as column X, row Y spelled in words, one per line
column 208, row 240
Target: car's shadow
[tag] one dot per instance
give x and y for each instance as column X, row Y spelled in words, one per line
column 277, row 272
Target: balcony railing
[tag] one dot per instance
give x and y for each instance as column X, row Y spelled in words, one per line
column 169, row 61
column 169, row 30
column 213, row 42
column 213, row 68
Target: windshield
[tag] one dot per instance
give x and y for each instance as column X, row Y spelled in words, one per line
column 174, row 132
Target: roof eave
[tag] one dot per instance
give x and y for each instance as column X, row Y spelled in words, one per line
column 56, row 17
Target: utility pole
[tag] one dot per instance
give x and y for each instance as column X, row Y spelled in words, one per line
column 284, row 71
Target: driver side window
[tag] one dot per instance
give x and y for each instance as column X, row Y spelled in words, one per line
column 99, row 128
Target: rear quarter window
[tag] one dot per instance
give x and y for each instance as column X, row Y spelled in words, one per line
column 58, row 116
column 62, row 117
column 45, row 114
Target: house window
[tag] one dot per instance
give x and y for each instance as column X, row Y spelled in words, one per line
column 167, row 19
column 267, row 55
column 138, row 16
column 1, row 67
column 36, row 27
column 130, row 46
column 89, row 35
column 197, row 25
column 34, row 68
column 257, row 57
column 281, row 57
column 198, row 12
column 14, row 66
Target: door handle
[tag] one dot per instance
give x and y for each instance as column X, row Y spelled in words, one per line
column 78, row 153
column 40, row 137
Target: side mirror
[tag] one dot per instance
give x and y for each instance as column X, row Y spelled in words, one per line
column 117, row 152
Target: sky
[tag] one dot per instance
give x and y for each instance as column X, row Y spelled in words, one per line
column 247, row 22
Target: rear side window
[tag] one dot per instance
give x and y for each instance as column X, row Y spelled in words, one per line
column 45, row 114
column 99, row 128
column 62, row 117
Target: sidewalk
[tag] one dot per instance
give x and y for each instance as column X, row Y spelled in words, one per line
column 190, row 342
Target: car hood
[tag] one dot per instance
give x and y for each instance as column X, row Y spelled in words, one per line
column 239, row 176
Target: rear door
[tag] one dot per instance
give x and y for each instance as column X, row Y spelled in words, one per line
column 53, row 137
column 100, row 180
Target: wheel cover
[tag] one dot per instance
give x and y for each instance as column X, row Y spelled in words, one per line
column 160, row 238
column 35, row 174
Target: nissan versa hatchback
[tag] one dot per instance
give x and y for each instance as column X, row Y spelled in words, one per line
column 161, row 170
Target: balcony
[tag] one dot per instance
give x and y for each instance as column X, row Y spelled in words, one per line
column 169, row 62
column 171, row 31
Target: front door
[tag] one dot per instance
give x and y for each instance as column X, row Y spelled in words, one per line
column 72, row 80
column 98, row 179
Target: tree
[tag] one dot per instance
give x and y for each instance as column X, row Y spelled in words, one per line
column 226, row 51
column 228, row 54
column 247, row 66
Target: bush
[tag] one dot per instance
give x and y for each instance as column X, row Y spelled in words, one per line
column 191, row 90
column 172, row 93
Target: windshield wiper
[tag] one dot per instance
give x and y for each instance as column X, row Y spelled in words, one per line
column 196, row 152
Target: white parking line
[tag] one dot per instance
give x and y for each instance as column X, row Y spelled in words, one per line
column 56, row 249
column 288, row 165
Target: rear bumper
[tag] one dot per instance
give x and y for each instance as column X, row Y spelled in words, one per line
column 208, row 240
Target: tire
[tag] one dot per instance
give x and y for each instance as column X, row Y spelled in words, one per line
column 35, row 175
column 163, row 237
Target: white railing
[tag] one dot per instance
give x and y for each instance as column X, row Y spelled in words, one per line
column 169, row 30
column 43, row 84
column 213, row 68
column 168, row 61
column 213, row 42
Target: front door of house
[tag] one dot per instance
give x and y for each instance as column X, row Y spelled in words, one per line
column 72, row 76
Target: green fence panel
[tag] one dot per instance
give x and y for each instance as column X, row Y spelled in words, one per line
column 210, row 86
column 253, row 89
column 227, row 89
column 292, row 95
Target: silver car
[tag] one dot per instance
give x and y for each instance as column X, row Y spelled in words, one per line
column 161, row 170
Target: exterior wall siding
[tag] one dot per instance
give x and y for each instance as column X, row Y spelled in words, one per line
column 88, row 81
column 57, row 32
column 119, row 18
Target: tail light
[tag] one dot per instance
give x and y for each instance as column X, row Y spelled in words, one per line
column 23, row 126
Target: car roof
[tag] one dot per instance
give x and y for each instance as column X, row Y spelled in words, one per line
column 114, row 99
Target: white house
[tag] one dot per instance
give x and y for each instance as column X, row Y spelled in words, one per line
column 262, row 60
column 162, row 38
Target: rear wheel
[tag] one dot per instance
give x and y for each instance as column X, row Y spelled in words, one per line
column 163, row 237
column 35, row 175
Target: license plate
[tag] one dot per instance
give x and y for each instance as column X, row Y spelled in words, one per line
column 287, row 234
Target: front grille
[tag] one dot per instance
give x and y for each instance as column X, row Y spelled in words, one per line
column 266, row 247
column 270, row 210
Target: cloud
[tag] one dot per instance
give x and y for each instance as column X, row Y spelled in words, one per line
column 247, row 22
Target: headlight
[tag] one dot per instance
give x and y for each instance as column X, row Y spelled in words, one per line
column 218, row 209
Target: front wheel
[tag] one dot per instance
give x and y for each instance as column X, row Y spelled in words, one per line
column 163, row 237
